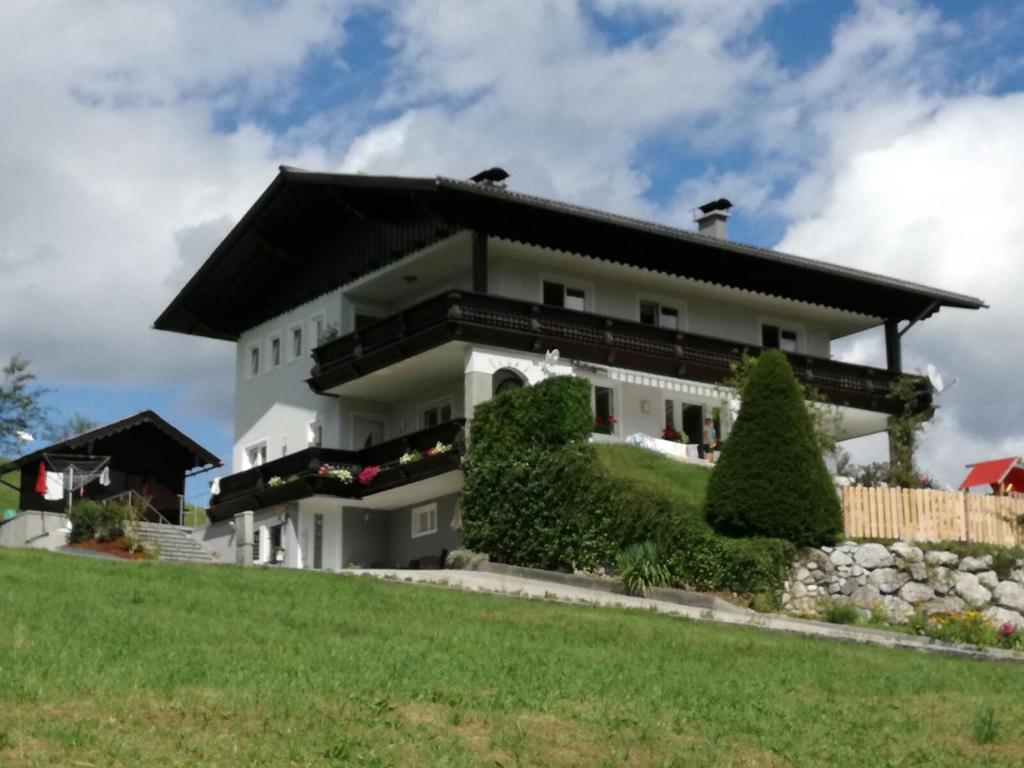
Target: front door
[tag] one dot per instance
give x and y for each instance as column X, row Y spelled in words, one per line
column 693, row 422
column 366, row 432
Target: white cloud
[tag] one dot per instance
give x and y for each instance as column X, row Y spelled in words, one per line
column 111, row 170
column 941, row 204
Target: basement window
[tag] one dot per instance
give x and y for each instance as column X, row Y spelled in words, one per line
column 424, row 520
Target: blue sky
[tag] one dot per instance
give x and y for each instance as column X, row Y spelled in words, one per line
column 866, row 133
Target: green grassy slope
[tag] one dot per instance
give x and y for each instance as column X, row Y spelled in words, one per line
column 152, row 664
column 684, row 484
column 9, row 496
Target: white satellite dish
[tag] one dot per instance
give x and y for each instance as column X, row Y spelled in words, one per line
column 936, row 379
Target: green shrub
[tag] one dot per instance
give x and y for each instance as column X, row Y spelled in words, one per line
column 638, row 568
column 92, row 520
column 840, row 613
column 537, row 494
column 967, row 628
column 550, row 414
column 465, row 558
column 771, row 479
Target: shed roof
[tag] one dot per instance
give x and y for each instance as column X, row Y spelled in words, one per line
column 199, row 457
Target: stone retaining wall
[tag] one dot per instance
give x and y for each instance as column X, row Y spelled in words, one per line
column 902, row 579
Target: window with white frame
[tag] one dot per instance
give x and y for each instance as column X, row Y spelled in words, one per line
column 436, row 413
column 424, row 520
column 256, row 454
column 295, row 342
column 274, row 351
column 557, row 294
column 655, row 313
column 778, row 337
column 253, row 363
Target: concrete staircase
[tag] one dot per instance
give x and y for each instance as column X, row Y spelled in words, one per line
column 175, row 544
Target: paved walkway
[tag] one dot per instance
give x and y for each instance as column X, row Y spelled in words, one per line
column 495, row 583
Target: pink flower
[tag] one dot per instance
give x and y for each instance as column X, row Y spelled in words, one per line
column 1007, row 630
column 367, row 475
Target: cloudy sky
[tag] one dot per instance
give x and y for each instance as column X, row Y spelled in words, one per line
column 884, row 134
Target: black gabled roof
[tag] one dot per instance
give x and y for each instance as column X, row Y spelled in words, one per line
column 311, row 232
column 200, row 456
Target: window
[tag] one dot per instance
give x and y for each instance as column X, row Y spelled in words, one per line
column 275, row 351
column 296, row 343
column 436, row 414
column 569, row 297
column 316, row 434
column 254, row 361
column 424, row 520
column 256, row 455
column 776, row 337
column 653, row 313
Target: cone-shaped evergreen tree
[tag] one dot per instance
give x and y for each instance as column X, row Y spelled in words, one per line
column 771, row 479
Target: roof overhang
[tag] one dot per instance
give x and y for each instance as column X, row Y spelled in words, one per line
column 309, row 233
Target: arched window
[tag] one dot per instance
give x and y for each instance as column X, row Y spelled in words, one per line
column 505, row 380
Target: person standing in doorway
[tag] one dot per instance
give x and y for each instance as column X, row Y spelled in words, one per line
column 709, row 440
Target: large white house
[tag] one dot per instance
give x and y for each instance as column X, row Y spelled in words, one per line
column 372, row 314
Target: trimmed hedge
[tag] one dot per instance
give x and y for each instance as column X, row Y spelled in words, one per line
column 536, row 494
column 553, row 413
column 771, row 479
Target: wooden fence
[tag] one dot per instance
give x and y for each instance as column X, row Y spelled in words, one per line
column 922, row 515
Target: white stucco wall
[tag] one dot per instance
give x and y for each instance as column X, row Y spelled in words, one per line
column 517, row 271
column 277, row 405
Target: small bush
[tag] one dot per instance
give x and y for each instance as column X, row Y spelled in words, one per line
column 765, row 602
column 967, row 628
column 984, row 726
column 465, row 559
column 92, row 520
column 840, row 613
column 638, row 568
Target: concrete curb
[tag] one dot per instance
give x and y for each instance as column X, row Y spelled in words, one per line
column 508, row 584
column 612, row 586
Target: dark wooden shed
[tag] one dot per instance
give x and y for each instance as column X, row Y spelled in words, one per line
column 147, row 455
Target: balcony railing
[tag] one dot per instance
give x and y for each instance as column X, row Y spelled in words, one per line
column 584, row 336
column 300, row 476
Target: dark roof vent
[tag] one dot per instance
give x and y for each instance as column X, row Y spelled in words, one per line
column 711, row 217
column 494, row 177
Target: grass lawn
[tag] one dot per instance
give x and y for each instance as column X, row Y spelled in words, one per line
column 685, row 484
column 9, row 496
column 152, row 664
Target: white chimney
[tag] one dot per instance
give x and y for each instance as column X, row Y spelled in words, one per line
column 711, row 218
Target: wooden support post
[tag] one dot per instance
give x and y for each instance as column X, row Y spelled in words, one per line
column 480, row 262
column 893, row 346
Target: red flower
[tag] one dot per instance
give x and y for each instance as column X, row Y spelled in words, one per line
column 1007, row 630
column 368, row 473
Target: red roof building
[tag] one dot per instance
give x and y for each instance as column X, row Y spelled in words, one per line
column 1005, row 476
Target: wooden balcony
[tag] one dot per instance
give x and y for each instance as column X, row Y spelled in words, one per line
column 301, row 478
column 583, row 336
